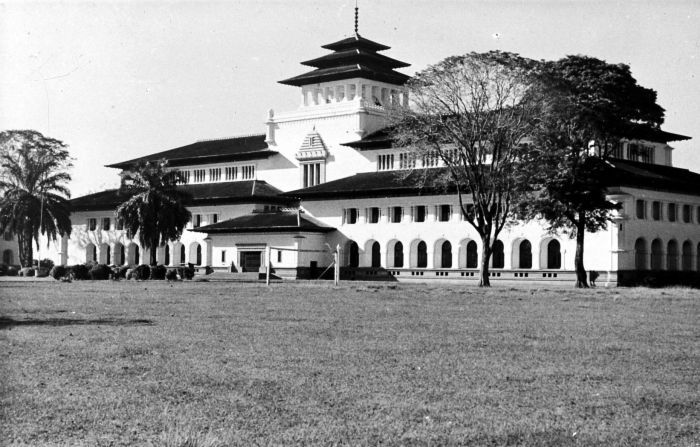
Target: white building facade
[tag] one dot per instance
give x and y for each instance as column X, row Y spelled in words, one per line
column 326, row 175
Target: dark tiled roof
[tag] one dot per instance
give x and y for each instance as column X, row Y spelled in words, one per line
column 354, row 57
column 249, row 191
column 654, row 177
column 380, row 139
column 379, row 184
column 251, row 147
column 274, row 222
column 658, row 135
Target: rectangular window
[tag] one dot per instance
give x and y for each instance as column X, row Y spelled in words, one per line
column 444, row 213
column 184, row 177
column 197, row 220
column 640, row 152
column 199, row 175
column 641, row 209
column 351, row 216
column 450, row 157
column 223, row 256
column 686, row 214
column 311, row 173
column 656, row 210
column 672, row 212
column 385, row 162
column 407, row 160
column 215, row 174
column 248, row 172
column 396, row 214
column 106, row 223
column 92, row 224
column 419, row 213
column 430, row 160
column 279, row 255
column 120, row 224
column 231, row 173
column 617, row 150
column 214, row 218
column 373, row 215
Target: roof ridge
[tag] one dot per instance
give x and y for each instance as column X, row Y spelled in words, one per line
column 257, row 134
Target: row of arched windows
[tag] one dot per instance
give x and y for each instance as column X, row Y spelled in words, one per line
column 130, row 254
column 444, row 255
column 669, row 256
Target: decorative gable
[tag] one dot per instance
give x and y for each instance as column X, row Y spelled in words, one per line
column 312, row 148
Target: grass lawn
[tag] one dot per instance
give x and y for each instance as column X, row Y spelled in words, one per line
column 209, row 364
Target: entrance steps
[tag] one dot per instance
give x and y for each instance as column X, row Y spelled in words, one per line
column 231, row 277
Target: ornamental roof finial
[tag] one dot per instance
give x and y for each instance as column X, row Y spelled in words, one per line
column 356, row 17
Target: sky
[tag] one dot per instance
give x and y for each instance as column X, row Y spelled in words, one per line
column 118, row 80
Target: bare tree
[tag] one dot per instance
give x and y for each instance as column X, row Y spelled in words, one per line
column 474, row 112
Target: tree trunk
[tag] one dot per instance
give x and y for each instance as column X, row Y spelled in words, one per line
column 581, row 281
column 484, row 280
column 26, row 250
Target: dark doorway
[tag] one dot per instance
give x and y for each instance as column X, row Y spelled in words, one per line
column 251, row 261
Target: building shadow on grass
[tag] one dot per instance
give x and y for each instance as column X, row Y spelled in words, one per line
column 9, row 323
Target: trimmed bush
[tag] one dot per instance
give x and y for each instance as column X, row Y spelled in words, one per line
column 141, row 272
column 45, row 263
column 58, row 272
column 171, row 275
column 186, row 272
column 158, row 272
column 11, row 270
column 80, row 271
column 100, row 272
column 27, row 271
column 120, row 272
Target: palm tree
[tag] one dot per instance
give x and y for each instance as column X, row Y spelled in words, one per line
column 33, row 177
column 155, row 209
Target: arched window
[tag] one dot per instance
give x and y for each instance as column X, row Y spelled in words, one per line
column 446, row 255
column 108, row 254
column 656, row 255
column 398, row 254
column 7, row 257
column 354, row 254
column 640, row 254
column 672, row 255
column 472, row 255
column 166, row 261
column 199, row 255
column 553, row 254
column 90, row 253
column 687, row 256
column 376, row 255
column 525, row 255
column 422, row 249
column 498, row 259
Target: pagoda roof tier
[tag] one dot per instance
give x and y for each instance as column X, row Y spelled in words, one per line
column 248, row 191
column 249, row 147
column 354, row 57
column 268, row 222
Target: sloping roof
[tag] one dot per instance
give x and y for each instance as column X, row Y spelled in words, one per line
column 354, row 57
column 249, row 191
column 268, row 222
column 251, row 147
column 379, row 184
column 654, row 177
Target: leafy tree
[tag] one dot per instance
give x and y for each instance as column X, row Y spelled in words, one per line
column 592, row 106
column 156, row 208
column 33, row 177
column 473, row 112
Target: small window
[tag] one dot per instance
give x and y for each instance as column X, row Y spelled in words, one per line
column 199, row 175
column 686, row 214
column 444, row 213
column 214, row 218
column 120, row 224
column 385, row 162
column 92, row 224
column 311, row 173
column 7, row 236
column 223, row 256
column 214, row 174
column 419, row 213
column 656, row 210
column 672, row 212
column 248, row 172
column 641, row 209
column 351, row 216
column 396, row 214
column 279, row 255
column 106, row 224
column 197, row 220
column 231, row 173
column 373, row 215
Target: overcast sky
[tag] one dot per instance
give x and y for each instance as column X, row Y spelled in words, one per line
column 117, row 80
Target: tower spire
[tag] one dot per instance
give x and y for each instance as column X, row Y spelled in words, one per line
column 356, row 17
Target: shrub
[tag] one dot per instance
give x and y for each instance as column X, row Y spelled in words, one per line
column 58, row 272
column 158, row 272
column 141, row 272
column 80, row 271
column 120, row 272
column 3, row 269
column 11, row 270
column 186, row 272
column 171, row 275
column 100, row 271
column 27, row 271
column 45, row 263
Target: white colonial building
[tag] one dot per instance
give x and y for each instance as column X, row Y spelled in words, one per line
column 326, row 174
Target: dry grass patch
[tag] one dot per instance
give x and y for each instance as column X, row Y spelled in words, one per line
column 210, row 364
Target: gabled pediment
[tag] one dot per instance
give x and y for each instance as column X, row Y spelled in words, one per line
column 312, row 148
